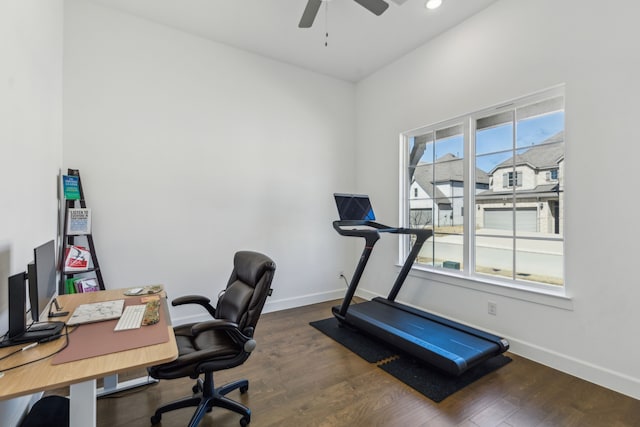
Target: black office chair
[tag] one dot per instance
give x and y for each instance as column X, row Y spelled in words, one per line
column 221, row 343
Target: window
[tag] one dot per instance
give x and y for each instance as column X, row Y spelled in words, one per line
column 512, row 179
column 507, row 163
column 437, row 168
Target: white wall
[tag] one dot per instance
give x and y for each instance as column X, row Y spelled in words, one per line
column 166, row 126
column 30, row 141
column 190, row 150
column 513, row 48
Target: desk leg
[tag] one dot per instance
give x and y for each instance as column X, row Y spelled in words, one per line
column 112, row 385
column 82, row 404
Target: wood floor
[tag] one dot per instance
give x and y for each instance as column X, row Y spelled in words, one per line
column 299, row 377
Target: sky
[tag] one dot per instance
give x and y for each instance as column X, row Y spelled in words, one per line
column 495, row 145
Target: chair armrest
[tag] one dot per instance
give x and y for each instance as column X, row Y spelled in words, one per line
column 247, row 342
column 195, row 299
column 216, row 324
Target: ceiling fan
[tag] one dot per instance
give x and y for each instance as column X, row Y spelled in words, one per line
column 376, row 7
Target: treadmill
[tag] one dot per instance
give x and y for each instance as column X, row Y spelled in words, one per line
column 447, row 345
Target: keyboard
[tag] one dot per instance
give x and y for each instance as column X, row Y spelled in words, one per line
column 131, row 317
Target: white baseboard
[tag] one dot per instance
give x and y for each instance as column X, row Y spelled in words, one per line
column 272, row 305
column 283, row 304
column 365, row 294
column 587, row 371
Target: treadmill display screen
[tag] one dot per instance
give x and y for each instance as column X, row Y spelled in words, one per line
column 354, row 207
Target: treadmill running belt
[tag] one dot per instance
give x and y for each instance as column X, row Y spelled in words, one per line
column 447, row 348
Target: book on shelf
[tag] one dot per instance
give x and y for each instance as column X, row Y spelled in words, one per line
column 71, row 187
column 78, row 221
column 70, row 286
column 75, row 285
column 86, row 285
column 76, row 258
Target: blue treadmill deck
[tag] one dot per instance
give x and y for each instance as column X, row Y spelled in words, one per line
column 447, row 345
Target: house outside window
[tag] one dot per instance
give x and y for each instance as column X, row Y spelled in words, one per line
column 508, row 164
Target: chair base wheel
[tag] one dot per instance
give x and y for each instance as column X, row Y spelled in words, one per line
column 197, row 387
column 207, row 398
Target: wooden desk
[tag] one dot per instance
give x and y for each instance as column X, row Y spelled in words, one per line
column 80, row 375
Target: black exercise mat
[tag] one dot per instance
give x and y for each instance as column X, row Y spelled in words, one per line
column 429, row 381
column 364, row 346
column 434, row 384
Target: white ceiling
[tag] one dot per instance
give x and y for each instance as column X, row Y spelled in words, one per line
column 359, row 42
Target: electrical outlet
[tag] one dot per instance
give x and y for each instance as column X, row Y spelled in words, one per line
column 492, row 308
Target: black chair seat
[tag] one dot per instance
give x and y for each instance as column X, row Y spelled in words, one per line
column 193, row 351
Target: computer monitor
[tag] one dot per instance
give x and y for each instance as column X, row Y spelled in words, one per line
column 18, row 331
column 354, row 207
column 17, row 306
column 42, row 278
column 42, row 286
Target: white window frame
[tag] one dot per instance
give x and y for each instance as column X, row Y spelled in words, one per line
column 552, row 295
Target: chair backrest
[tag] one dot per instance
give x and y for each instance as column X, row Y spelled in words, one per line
column 247, row 290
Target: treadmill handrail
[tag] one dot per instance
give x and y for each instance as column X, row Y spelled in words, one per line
column 340, row 227
column 371, row 236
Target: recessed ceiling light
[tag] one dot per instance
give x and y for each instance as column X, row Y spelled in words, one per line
column 433, row 4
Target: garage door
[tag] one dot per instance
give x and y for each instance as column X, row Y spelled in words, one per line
column 502, row 219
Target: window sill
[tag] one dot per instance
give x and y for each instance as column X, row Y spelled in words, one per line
column 549, row 297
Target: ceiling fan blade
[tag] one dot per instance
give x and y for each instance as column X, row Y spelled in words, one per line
column 374, row 6
column 309, row 14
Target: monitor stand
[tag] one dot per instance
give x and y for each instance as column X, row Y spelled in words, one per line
column 41, row 332
column 46, row 331
column 42, row 327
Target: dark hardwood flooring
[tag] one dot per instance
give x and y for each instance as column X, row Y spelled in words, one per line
column 300, row 377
